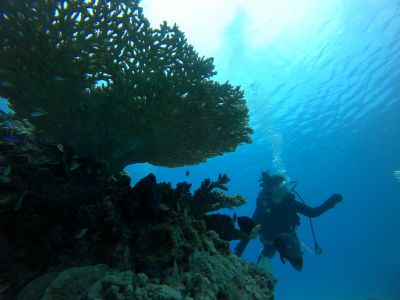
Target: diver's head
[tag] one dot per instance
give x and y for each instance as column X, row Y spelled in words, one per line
column 278, row 193
column 275, row 185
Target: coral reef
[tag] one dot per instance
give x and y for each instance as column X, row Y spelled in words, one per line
column 209, row 277
column 97, row 78
column 206, row 199
column 63, row 216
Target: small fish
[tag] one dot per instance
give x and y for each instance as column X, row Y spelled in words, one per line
column 5, row 170
column 6, row 84
column 5, row 199
column 5, row 179
column 60, row 147
column 84, row 106
column 396, row 174
column 95, row 46
column 4, row 287
column 183, row 96
column 18, row 205
column 11, row 139
column 234, row 217
column 73, row 166
column 81, row 233
column 163, row 206
column 187, row 172
column 59, row 78
column 38, row 112
column 9, row 124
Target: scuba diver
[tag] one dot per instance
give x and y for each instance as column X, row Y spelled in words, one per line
column 277, row 216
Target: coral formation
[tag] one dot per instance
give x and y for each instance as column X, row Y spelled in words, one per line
column 209, row 277
column 95, row 88
column 66, row 215
column 206, row 199
column 97, row 78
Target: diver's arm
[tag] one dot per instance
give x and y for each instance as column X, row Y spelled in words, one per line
column 313, row 212
column 258, row 215
column 241, row 246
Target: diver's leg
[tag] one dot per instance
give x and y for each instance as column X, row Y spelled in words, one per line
column 265, row 263
column 264, row 260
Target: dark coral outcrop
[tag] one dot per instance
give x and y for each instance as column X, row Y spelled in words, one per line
column 61, row 214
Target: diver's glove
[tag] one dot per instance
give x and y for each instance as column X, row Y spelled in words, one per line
column 335, row 198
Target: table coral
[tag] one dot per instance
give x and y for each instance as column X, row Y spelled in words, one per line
column 97, row 78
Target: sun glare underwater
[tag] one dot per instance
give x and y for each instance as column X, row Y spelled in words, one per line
column 321, row 80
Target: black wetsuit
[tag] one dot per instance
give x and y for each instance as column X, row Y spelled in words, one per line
column 281, row 218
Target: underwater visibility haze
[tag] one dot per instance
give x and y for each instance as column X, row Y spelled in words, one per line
column 322, row 81
column 313, row 94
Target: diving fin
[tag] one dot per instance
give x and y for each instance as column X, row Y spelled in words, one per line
column 265, row 263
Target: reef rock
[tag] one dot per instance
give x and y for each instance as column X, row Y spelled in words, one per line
column 70, row 230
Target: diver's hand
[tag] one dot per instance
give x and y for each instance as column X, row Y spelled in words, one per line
column 333, row 200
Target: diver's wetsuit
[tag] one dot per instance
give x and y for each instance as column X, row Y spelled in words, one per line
column 281, row 218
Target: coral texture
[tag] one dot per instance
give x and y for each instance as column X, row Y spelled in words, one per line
column 96, row 77
column 59, row 211
column 207, row 199
column 208, row 278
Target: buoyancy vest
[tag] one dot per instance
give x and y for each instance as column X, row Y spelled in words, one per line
column 279, row 217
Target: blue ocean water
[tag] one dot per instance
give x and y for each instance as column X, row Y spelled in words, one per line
column 325, row 106
column 324, row 99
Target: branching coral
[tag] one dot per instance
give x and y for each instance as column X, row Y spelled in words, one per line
column 96, row 77
column 207, row 199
